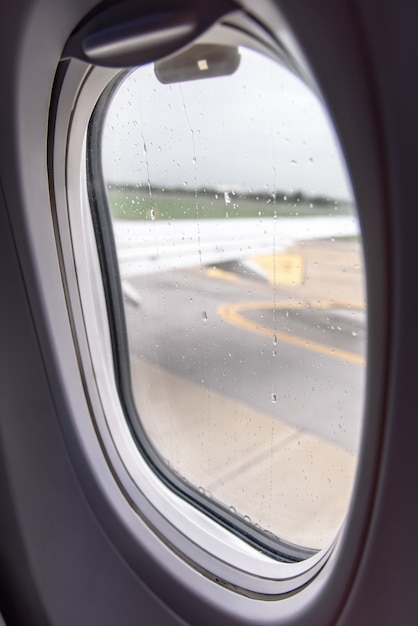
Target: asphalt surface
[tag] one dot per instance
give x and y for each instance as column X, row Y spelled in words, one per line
column 254, row 393
column 298, row 362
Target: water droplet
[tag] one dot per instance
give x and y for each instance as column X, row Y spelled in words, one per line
column 205, row 316
column 293, row 162
column 273, row 398
column 152, row 213
column 227, row 198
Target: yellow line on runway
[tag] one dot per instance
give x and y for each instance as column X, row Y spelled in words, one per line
column 232, row 313
column 215, row 272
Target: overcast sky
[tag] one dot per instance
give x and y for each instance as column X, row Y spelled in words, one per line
column 259, row 129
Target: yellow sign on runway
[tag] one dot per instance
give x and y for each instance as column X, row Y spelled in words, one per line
column 282, row 268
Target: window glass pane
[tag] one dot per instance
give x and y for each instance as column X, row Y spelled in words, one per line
column 242, row 270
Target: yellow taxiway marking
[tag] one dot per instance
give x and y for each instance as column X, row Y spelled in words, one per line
column 215, row 272
column 232, row 313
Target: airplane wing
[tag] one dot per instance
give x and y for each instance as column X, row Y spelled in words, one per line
column 147, row 246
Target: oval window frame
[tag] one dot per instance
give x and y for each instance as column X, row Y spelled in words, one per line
column 240, row 568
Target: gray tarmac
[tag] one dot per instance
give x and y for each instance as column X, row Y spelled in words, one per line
column 255, row 393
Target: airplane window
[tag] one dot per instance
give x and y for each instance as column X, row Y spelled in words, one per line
column 242, row 275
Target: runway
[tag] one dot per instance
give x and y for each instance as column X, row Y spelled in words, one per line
column 254, row 392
